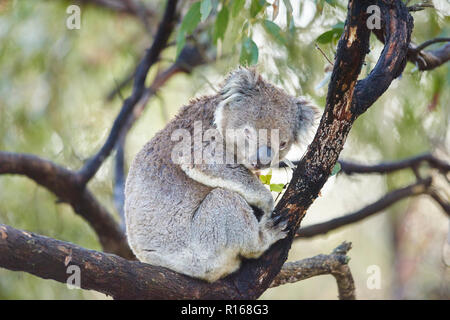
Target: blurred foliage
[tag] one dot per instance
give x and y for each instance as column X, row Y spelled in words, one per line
column 53, row 84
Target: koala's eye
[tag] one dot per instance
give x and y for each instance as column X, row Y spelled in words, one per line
column 283, row 145
column 247, row 132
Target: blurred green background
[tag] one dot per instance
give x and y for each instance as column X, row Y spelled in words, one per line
column 53, row 87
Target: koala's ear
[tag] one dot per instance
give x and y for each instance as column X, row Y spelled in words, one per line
column 308, row 117
column 239, row 82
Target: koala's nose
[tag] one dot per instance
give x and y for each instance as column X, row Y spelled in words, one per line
column 263, row 157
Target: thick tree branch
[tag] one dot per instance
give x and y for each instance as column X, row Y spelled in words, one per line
column 379, row 205
column 424, row 60
column 430, row 59
column 335, row 263
column 112, row 275
column 49, row 258
column 63, row 183
column 397, row 35
column 164, row 31
column 342, row 108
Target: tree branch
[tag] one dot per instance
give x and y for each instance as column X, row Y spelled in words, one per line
column 424, row 60
column 112, row 275
column 349, row 167
column 63, row 183
column 386, row 167
column 315, row 167
column 386, row 201
column 335, row 263
column 49, row 258
column 430, row 42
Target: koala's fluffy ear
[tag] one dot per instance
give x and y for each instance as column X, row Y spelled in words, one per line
column 241, row 81
column 308, row 117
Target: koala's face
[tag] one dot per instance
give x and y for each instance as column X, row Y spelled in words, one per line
column 260, row 120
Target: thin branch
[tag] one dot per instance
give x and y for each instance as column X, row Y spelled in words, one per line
column 386, row 167
column 420, row 7
column 335, row 263
column 424, row 60
column 63, row 183
column 370, row 210
column 119, row 180
column 349, row 167
column 428, row 60
column 445, row 205
column 430, row 42
column 164, row 31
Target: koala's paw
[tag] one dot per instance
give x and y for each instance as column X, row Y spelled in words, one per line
column 274, row 228
column 263, row 200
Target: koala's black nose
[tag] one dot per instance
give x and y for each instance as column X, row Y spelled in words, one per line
column 264, row 155
column 262, row 158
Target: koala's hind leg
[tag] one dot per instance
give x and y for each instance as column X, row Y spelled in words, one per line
column 224, row 229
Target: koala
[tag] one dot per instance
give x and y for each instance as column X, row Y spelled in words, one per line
column 201, row 216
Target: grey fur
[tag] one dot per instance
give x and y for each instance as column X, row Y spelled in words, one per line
column 197, row 219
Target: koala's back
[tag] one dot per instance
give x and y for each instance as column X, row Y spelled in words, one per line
column 160, row 199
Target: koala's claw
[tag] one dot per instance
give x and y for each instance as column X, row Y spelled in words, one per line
column 276, row 227
column 280, row 219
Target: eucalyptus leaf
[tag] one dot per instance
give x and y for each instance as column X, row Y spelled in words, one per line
column 236, row 7
column 277, row 187
column 249, row 52
column 205, row 9
column 221, row 24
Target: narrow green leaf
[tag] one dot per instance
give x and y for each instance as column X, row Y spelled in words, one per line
column 236, row 7
column 188, row 25
column 277, row 187
column 265, row 179
column 289, row 17
column 205, row 9
column 256, row 6
column 332, row 34
column 288, row 6
column 180, row 41
column 221, row 24
column 249, row 52
column 274, row 30
column 336, row 169
column 191, row 19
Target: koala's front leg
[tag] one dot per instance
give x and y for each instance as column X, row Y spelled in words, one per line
column 236, row 178
column 240, row 180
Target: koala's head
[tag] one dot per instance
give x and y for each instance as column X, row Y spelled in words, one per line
column 260, row 120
